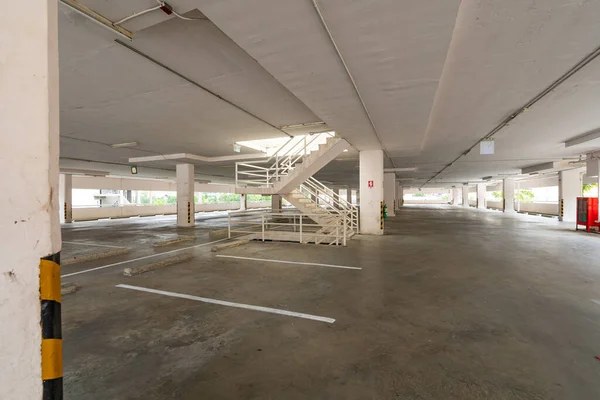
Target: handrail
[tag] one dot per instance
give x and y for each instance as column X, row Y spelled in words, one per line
column 281, row 163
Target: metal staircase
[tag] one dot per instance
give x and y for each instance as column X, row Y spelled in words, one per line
column 326, row 217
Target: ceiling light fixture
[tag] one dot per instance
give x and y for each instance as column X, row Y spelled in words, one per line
column 304, row 125
column 124, row 145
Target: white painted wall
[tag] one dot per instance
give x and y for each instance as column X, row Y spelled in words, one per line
column 465, row 196
column 371, row 169
column 29, row 226
column 93, row 213
column 481, row 190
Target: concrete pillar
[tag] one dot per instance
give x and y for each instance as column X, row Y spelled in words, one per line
column 399, row 195
column 465, row 196
column 481, row 189
column 31, row 362
column 593, row 171
column 276, row 203
column 185, row 195
column 389, row 192
column 371, row 195
column 243, row 202
column 65, row 198
column 569, row 188
column 455, row 196
column 349, row 195
column 508, row 190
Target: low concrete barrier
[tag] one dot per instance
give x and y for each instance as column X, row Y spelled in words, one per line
column 92, row 213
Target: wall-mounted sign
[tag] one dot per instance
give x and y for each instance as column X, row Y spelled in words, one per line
column 370, row 184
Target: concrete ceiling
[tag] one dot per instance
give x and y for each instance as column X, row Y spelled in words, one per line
column 434, row 77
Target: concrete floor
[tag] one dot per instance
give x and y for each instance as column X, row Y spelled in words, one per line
column 451, row 303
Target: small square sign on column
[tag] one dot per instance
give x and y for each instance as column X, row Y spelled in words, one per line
column 370, row 184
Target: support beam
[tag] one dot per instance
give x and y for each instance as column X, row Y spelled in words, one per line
column 31, row 342
column 481, row 189
column 570, row 187
column 400, row 196
column 371, row 195
column 508, row 192
column 349, row 195
column 65, row 198
column 185, row 195
column 277, row 203
column 389, row 192
column 243, row 202
column 465, row 196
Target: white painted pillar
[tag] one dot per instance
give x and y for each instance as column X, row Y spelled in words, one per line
column 243, row 202
column 349, row 195
column 186, row 208
column 371, row 170
column 277, row 203
column 508, row 190
column 465, row 196
column 389, row 192
column 401, row 195
column 455, row 195
column 481, row 189
column 593, row 171
column 570, row 187
column 65, row 198
column 29, row 223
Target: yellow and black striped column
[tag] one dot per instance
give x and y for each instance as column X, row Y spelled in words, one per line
column 562, row 208
column 381, row 215
column 189, row 212
column 52, row 366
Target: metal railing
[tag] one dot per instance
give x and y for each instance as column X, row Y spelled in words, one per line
column 287, row 226
column 265, row 173
column 331, row 201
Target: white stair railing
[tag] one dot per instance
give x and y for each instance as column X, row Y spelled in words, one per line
column 265, row 173
column 330, row 201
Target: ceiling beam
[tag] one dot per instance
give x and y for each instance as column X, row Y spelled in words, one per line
column 171, row 70
column 194, row 157
column 586, row 137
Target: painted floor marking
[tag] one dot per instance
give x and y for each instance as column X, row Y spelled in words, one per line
column 231, row 304
column 141, row 258
column 288, row 262
column 596, row 301
column 93, row 244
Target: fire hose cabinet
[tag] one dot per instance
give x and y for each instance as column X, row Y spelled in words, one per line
column 587, row 212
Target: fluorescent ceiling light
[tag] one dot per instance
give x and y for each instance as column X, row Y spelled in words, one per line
column 304, row 125
column 586, row 137
column 122, row 145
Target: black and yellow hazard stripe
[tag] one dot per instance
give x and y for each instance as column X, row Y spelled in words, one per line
column 562, row 207
column 381, row 215
column 52, row 365
column 66, row 218
column 189, row 212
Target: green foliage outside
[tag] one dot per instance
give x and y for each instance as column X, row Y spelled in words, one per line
column 525, row 196
column 419, row 195
column 589, row 188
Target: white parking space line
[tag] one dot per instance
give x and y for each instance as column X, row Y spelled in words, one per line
column 141, row 258
column 289, row 262
column 596, row 301
column 231, row 304
column 93, row 244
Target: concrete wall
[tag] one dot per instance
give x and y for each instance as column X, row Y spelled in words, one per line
column 537, row 208
column 113, row 183
column 424, row 201
column 92, row 213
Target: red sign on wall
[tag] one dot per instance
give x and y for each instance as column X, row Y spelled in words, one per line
column 370, row 184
